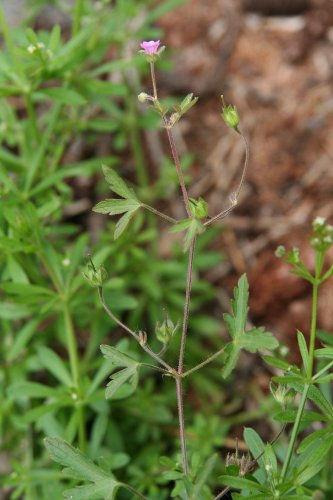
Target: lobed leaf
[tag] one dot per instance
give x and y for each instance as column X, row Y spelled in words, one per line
column 117, row 184
column 115, row 206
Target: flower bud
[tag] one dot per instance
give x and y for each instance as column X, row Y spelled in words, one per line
column 166, row 330
column 95, row 277
column 199, row 208
column 143, row 97
column 230, row 115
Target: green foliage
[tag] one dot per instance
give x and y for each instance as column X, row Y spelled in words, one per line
column 78, row 467
column 252, row 340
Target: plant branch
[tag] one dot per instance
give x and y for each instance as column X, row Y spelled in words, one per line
column 200, row 365
column 144, row 346
column 160, row 214
column 294, row 432
column 186, row 307
column 234, row 197
column 172, row 146
column 178, row 167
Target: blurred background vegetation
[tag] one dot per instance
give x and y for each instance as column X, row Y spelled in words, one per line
column 69, row 78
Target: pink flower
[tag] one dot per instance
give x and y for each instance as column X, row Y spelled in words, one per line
column 151, row 47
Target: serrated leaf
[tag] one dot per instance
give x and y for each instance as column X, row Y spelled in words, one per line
column 254, row 340
column 257, row 339
column 115, row 206
column 79, row 467
column 117, row 184
column 125, row 379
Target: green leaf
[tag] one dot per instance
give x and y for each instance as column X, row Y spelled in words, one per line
column 317, row 397
column 115, row 206
column 79, row 467
column 323, row 434
column 63, row 95
column 181, row 225
column 304, row 352
column 289, row 416
column 311, row 461
column 117, row 184
column 202, row 477
column 324, row 352
column 243, row 484
column 278, row 363
column 125, row 379
column 55, row 365
column 255, row 444
column 31, row 390
column 22, row 338
column 9, row 310
column 255, row 339
column 123, row 223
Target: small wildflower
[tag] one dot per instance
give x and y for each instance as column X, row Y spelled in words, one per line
column 31, row 49
column 150, row 47
column 66, row 262
column 319, row 221
column 280, row 251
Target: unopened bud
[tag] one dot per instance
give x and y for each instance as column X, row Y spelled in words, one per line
column 95, row 277
column 230, row 115
column 143, row 97
column 199, row 208
column 166, row 330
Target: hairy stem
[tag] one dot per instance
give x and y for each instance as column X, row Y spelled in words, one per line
column 235, row 195
column 144, row 346
column 172, row 146
column 178, row 168
column 204, row 363
column 160, row 214
column 186, row 307
column 179, row 390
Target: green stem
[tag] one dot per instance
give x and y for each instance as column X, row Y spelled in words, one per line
column 294, row 432
column 327, row 367
column 32, row 118
column 313, row 327
column 200, row 365
column 160, row 214
column 316, row 283
column 77, row 16
column 74, row 365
